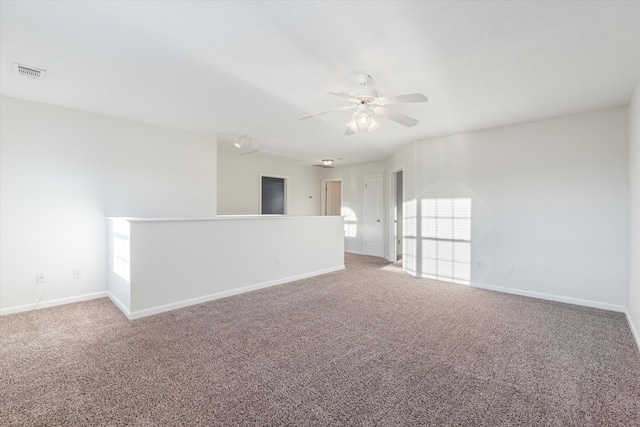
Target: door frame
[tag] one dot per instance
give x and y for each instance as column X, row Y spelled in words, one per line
column 323, row 195
column 393, row 255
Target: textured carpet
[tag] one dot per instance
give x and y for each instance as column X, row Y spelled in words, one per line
column 367, row 346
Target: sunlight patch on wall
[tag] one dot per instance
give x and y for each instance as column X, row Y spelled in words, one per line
column 121, row 248
column 409, row 250
column 350, row 222
column 446, row 239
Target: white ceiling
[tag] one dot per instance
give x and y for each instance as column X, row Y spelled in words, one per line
column 234, row 68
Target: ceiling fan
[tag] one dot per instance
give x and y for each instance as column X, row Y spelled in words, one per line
column 365, row 100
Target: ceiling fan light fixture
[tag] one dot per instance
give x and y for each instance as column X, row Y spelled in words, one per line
column 364, row 120
column 353, row 123
column 327, row 162
column 373, row 126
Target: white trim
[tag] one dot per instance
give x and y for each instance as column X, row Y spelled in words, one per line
column 185, row 303
column 634, row 331
column 53, row 303
column 350, row 251
column 120, row 305
column 384, row 257
column 552, row 297
column 393, row 184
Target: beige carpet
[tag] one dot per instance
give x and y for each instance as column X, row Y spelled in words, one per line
column 368, row 346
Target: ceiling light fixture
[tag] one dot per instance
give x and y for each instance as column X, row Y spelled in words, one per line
column 362, row 120
column 241, row 140
column 327, row 162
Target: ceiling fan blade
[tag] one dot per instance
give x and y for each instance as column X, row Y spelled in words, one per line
column 395, row 116
column 342, row 95
column 349, row 131
column 402, row 99
column 346, row 107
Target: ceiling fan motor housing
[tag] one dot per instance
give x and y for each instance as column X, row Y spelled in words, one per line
column 365, row 94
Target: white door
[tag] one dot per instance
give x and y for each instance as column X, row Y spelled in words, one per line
column 373, row 231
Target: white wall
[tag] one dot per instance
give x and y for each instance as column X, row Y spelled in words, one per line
column 119, row 263
column 180, row 263
column 404, row 159
column 62, row 171
column 633, row 289
column 150, row 171
column 239, row 184
column 353, row 197
column 51, row 206
column 549, row 197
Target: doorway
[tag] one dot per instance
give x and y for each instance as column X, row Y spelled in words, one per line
column 331, row 197
column 397, row 226
column 273, row 194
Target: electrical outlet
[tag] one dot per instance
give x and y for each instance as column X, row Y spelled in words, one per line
column 40, row 278
column 77, row 274
column 480, row 265
column 277, row 260
column 510, row 268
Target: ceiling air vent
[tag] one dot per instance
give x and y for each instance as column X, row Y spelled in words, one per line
column 32, row 73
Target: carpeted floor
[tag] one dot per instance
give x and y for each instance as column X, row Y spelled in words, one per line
column 367, row 346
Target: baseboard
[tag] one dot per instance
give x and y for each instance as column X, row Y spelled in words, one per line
column 120, row 305
column 634, row 331
column 137, row 314
column 354, row 252
column 362, row 253
column 53, row 303
column 552, row 297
